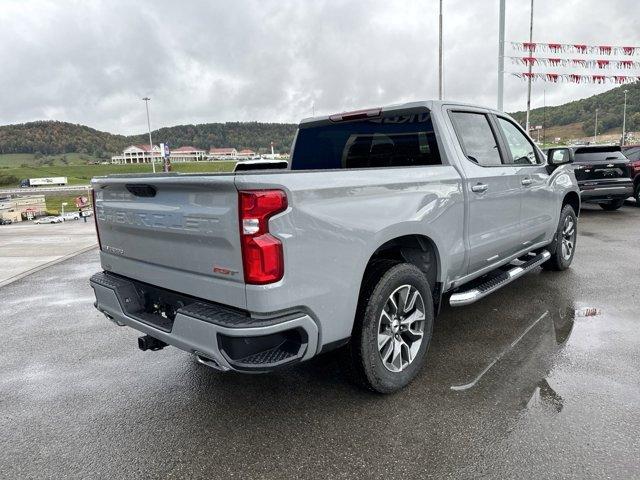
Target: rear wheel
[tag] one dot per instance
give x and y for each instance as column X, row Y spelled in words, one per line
column 615, row 205
column 392, row 328
column 565, row 241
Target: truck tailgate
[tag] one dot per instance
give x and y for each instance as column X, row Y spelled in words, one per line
column 179, row 232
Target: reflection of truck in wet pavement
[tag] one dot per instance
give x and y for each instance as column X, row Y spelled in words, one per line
column 381, row 213
column 44, row 181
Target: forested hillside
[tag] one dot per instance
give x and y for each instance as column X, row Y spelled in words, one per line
column 609, row 105
column 52, row 137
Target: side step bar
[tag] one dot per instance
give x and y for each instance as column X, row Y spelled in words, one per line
column 465, row 298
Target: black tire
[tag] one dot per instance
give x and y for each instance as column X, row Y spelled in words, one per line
column 615, row 205
column 560, row 261
column 382, row 279
column 636, row 195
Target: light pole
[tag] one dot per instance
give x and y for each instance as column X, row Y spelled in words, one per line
column 440, row 53
column 624, row 117
column 595, row 129
column 530, row 67
column 501, row 55
column 63, row 204
column 146, row 103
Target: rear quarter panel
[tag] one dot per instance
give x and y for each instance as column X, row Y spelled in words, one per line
column 336, row 220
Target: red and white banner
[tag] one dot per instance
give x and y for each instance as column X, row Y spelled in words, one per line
column 577, row 78
column 576, row 62
column 575, row 48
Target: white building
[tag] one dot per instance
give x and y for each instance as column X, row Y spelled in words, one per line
column 223, row 153
column 246, row 153
column 188, row 154
column 138, row 154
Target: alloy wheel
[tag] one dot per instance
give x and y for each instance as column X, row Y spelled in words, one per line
column 568, row 237
column 401, row 328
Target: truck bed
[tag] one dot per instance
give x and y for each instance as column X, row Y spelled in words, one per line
column 186, row 237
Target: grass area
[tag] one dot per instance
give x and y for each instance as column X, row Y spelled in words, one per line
column 54, row 203
column 12, row 160
column 82, row 174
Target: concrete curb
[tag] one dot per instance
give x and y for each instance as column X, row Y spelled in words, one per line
column 46, row 265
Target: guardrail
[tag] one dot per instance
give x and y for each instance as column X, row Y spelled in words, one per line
column 67, row 188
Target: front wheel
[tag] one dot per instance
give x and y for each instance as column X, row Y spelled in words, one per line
column 392, row 327
column 564, row 246
column 636, row 195
column 615, row 205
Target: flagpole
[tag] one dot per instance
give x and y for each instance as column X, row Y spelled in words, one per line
column 530, row 67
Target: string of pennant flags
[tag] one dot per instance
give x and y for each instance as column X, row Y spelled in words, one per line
column 577, row 78
column 575, row 48
column 576, row 62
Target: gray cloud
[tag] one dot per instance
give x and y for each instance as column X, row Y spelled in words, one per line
column 90, row 62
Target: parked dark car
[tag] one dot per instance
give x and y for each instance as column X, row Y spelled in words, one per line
column 603, row 175
column 5, row 221
column 632, row 152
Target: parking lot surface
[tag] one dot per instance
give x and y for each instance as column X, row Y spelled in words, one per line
column 539, row 380
column 25, row 246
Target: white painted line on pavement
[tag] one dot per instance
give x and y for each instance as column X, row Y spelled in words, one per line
column 46, row 265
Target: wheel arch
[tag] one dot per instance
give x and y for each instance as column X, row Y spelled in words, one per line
column 416, row 249
column 573, row 199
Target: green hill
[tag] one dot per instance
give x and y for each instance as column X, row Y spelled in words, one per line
column 48, row 138
column 609, row 105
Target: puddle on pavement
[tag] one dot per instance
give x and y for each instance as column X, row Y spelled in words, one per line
column 520, row 371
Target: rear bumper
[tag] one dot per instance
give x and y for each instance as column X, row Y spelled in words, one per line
column 595, row 192
column 222, row 338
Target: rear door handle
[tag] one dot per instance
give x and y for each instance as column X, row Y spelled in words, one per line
column 480, row 188
column 526, row 182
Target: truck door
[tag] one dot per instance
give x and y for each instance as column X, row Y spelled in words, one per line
column 538, row 202
column 493, row 190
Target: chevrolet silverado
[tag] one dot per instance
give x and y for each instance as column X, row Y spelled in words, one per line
column 381, row 216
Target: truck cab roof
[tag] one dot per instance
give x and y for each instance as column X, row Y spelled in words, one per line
column 397, row 107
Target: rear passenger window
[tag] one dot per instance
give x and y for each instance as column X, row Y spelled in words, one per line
column 476, row 138
column 521, row 149
column 389, row 141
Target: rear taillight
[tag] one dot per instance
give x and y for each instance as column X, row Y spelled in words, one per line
column 95, row 216
column 262, row 254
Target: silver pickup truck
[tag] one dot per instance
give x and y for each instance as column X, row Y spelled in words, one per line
column 381, row 215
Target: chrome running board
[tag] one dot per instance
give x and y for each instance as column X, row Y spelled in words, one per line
column 465, row 298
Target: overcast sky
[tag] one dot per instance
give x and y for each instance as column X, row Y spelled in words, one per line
column 90, row 62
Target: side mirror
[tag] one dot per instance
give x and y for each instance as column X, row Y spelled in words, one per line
column 559, row 156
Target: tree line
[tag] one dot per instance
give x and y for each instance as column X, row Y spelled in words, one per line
column 53, row 137
column 610, row 106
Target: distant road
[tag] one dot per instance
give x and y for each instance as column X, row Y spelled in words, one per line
column 67, row 188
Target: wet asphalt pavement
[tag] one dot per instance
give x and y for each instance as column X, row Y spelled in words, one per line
column 561, row 398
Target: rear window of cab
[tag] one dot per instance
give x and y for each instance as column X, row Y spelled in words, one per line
column 399, row 140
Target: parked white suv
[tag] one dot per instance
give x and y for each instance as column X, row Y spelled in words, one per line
column 49, row 219
column 71, row 216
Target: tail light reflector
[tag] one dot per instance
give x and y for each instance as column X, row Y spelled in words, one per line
column 262, row 254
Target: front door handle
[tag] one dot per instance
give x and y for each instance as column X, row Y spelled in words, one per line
column 526, row 182
column 480, row 188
